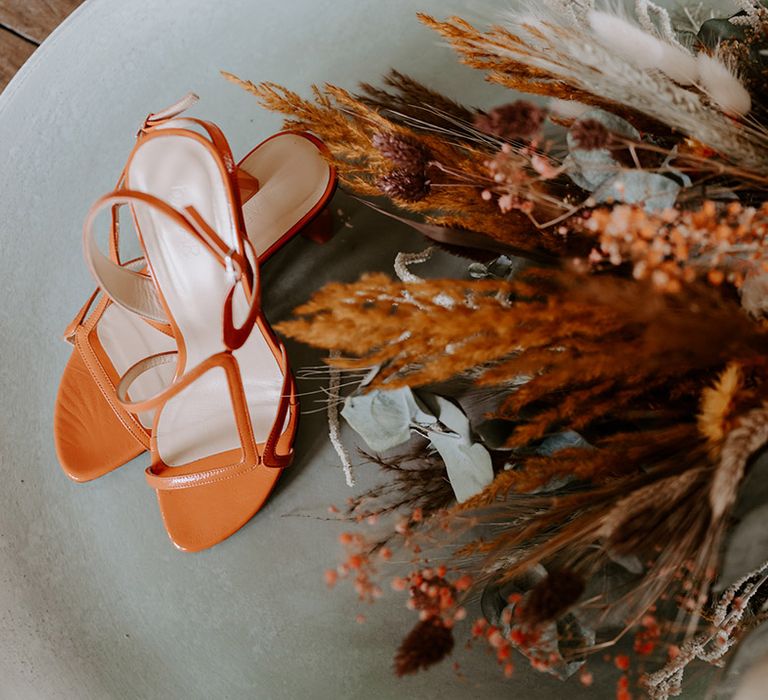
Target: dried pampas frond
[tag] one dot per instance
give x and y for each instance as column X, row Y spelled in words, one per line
column 549, row 55
column 443, row 181
column 502, row 330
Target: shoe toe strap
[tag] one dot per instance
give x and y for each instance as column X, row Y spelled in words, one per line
column 269, row 455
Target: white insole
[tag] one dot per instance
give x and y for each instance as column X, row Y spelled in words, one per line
column 293, row 177
column 198, row 422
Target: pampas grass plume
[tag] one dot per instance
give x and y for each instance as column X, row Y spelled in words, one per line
column 722, row 86
column 643, row 49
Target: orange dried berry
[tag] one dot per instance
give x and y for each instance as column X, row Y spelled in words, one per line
column 463, row 583
column 622, row 662
column 331, row 577
column 715, row 277
column 399, row 584
column 496, row 639
column 478, row 627
column 345, row 537
column 518, row 637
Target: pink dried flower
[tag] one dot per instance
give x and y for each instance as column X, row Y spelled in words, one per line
column 544, row 167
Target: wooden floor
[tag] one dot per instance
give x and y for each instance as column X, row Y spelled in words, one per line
column 23, row 26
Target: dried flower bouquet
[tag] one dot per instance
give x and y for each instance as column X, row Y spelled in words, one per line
column 562, row 440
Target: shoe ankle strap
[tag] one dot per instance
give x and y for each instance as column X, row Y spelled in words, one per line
column 137, row 292
column 165, row 118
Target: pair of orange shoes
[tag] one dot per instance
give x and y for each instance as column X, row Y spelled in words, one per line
column 177, row 356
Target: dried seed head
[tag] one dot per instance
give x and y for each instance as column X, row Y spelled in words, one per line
column 401, row 150
column 552, row 596
column 427, row 644
column 410, row 185
column 590, row 134
column 521, row 119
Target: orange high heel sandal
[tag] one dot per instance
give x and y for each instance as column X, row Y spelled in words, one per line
column 223, row 429
column 285, row 184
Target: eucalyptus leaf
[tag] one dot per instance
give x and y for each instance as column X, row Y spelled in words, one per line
column 468, row 465
column 561, row 441
column 384, row 418
column 655, row 192
column 747, row 675
column 753, row 492
column 452, row 417
column 630, row 562
column 590, row 169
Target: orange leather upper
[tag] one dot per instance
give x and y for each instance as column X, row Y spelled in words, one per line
column 220, row 475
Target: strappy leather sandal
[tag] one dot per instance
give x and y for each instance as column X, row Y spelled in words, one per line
column 224, row 427
column 285, row 184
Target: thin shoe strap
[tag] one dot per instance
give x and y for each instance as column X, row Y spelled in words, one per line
column 251, row 454
column 137, row 292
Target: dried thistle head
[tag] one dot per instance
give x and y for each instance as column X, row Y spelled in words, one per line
column 518, row 120
column 403, row 151
column 590, row 134
column 428, row 643
column 405, row 184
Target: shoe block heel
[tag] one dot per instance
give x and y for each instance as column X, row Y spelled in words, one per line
column 248, row 185
column 320, row 230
